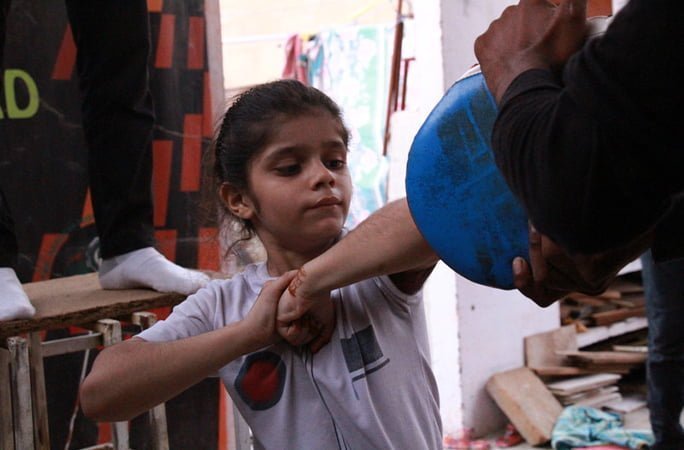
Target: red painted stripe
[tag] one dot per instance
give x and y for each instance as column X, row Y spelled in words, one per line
column 164, row 57
column 155, row 5
column 224, row 404
column 192, row 153
column 196, row 42
column 207, row 113
column 87, row 216
column 162, row 313
column 208, row 249
column 66, row 57
column 104, row 432
column 166, row 243
column 49, row 248
column 162, row 155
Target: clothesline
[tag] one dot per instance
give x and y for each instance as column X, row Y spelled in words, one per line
column 249, row 39
column 283, row 36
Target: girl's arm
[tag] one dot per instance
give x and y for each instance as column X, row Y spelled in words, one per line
column 133, row 376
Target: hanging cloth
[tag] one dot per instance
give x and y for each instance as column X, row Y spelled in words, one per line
column 295, row 59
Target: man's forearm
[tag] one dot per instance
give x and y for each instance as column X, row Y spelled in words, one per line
column 386, row 242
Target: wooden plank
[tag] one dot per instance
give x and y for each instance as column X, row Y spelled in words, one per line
column 20, row 378
column 605, row 357
column 41, row 433
column 572, row 398
column 584, row 383
column 608, row 317
column 6, row 431
column 597, row 334
column 626, row 287
column 599, row 400
column 626, row 404
column 71, row 344
column 588, row 300
column 630, row 302
column 631, row 348
column 561, row 371
column 541, row 348
column 79, row 299
column 527, row 403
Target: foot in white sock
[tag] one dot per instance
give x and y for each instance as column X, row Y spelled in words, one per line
column 148, row 268
column 14, row 304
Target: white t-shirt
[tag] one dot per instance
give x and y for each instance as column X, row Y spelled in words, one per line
column 370, row 387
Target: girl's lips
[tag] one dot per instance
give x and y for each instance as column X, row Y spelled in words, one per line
column 327, row 201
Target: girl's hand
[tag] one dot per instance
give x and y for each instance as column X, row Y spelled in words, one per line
column 305, row 316
column 260, row 323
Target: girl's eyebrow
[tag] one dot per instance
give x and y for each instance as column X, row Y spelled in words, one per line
column 282, row 152
column 293, row 150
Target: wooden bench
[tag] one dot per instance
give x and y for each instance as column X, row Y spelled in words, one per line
column 71, row 301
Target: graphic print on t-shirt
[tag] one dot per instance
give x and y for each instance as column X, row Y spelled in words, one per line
column 261, row 380
column 362, row 353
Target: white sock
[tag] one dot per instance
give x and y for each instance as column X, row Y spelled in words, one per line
column 14, row 304
column 148, row 268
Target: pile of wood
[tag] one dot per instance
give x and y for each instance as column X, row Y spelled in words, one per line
column 588, row 390
column 555, row 354
column 622, row 300
column 586, row 378
column 558, row 374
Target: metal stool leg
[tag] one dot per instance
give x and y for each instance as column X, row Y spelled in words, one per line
column 20, row 377
column 6, row 431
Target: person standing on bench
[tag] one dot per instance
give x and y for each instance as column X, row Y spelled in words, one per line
column 113, row 42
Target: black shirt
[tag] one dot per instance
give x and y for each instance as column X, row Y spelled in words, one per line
column 595, row 154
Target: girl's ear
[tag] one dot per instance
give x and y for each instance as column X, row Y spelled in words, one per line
column 237, row 203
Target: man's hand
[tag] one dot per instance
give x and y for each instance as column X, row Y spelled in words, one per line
column 552, row 272
column 304, row 315
column 534, row 34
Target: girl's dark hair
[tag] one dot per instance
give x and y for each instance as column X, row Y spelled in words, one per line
column 248, row 126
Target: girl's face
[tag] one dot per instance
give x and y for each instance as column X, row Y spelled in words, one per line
column 299, row 185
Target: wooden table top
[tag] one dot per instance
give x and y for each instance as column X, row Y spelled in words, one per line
column 79, row 299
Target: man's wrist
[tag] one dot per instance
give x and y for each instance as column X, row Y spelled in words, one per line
column 500, row 77
column 308, row 282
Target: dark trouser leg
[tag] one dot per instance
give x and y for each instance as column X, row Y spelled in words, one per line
column 113, row 41
column 664, row 288
column 8, row 239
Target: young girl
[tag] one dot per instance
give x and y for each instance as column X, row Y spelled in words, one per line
column 281, row 170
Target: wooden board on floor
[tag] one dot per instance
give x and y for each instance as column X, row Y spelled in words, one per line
column 79, row 299
column 527, row 403
column 541, row 348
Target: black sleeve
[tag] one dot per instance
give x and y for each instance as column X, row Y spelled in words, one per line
column 595, row 156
